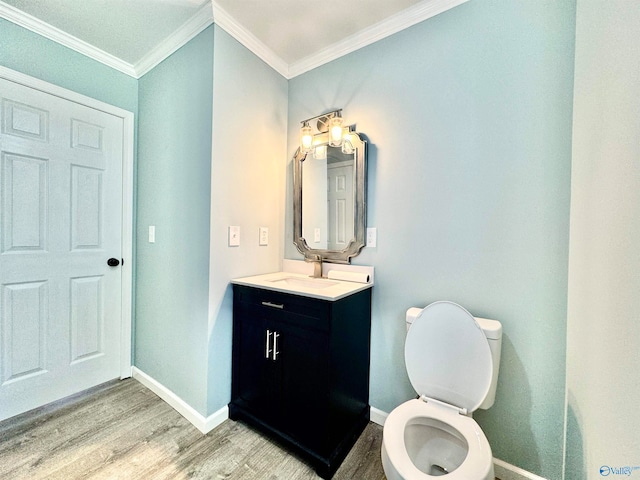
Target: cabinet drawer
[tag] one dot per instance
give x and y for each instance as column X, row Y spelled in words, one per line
column 294, row 309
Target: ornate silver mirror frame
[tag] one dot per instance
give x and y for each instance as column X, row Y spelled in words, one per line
column 360, row 189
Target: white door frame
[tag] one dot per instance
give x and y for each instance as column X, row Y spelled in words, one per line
column 127, row 195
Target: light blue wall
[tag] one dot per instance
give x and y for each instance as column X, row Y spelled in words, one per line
column 31, row 54
column 174, row 188
column 247, row 188
column 469, row 119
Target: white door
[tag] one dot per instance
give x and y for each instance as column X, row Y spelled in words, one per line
column 340, row 209
column 60, row 221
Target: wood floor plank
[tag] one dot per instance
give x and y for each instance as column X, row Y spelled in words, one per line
column 121, row 430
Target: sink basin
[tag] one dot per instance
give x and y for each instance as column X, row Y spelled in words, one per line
column 316, row 283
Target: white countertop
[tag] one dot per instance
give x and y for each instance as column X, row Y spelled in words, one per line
column 302, row 284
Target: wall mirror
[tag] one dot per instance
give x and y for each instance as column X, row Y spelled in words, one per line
column 329, row 197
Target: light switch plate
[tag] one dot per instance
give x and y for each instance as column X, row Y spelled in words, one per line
column 152, row 234
column 234, row 236
column 264, row 236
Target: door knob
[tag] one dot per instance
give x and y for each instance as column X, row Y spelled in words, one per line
column 113, row 262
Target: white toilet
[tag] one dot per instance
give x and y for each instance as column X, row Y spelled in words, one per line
column 452, row 360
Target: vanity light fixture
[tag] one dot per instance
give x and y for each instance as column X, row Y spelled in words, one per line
column 306, row 137
column 330, row 123
column 335, row 131
column 347, row 147
column 320, row 152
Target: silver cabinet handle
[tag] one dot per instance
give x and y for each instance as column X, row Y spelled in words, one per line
column 267, row 350
column 273, row 305
column 275, row 345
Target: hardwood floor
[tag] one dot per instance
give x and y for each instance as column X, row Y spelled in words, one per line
column 122, row 430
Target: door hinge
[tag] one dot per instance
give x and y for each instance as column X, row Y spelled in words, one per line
column 440, row 403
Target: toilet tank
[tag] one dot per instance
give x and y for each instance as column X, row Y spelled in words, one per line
column 493, row 331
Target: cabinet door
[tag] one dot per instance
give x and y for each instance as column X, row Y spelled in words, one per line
column 256, row 377
column 304, row 357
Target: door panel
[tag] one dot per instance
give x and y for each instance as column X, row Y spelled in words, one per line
column 60, row 220
column 305, row 388
column 86, row 318
column 86, row 207
column 258, row 378
column 340, row 197
column 23, row 203
column 24, row 329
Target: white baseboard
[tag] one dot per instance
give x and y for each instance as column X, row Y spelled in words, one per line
column 204, row 424
column 378, row 416
column 506, row 471
column 503, row 470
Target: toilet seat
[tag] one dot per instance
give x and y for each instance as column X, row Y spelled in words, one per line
column 478, row 464
column 447, row 356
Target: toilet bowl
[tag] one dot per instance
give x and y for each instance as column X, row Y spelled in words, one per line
column 425, row 441
column 450, row 359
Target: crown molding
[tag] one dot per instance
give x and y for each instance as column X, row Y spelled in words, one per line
column 250, row 41
column 187, row 31
column 400, row 21
column 52, row 33
column 213, row 13
column 192, row 27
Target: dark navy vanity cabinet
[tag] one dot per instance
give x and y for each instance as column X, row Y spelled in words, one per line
column 300, row 370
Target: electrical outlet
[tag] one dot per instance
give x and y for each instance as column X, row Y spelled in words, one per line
column 372, row 237
column 264, row 236
column 316, row 235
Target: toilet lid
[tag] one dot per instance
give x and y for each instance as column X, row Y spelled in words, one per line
column 448, row 356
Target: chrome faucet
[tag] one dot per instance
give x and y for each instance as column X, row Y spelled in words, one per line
column 317, row 265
